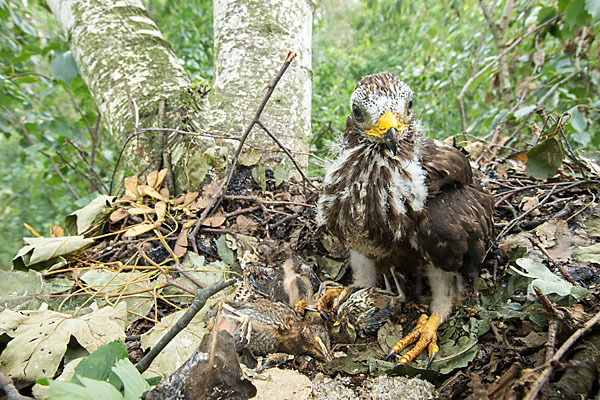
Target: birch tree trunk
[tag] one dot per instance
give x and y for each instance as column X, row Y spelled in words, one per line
column 136, row 81
column 252, row 38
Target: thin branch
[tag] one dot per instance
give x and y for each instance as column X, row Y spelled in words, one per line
column 541, row 102
column 7, row 385
column 42, row 152
column 216, row 199
column 549, row 366
column 304, row 178
column 200, row 299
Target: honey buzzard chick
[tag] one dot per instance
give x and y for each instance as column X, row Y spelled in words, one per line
column 397, row 199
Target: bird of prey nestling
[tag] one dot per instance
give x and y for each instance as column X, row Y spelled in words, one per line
column 397, row 199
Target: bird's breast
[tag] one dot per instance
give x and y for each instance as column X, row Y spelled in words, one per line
column 370, row 200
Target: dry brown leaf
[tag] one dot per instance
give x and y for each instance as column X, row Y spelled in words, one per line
column 179, row 200
column 299, row 198
column 201, row 203
column 160, row 179
column 190, row 198
column 527, row 203
column 181, row 244
column 57, row 231
column 137, row 230
column 520, row 156
column 164, row 192
column 118, row 214
column 245, row 225
column 214, row 221
column 152, row 177
column 149, row 191
column 161, row 210
column 212, row 188
column 131, row 188
column 141, row 209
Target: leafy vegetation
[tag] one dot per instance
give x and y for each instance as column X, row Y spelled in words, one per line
column 50, row 125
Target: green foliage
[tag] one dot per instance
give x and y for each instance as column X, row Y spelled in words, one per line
column 40, row 124
column 188, row 26
column 437, row 46
column 102, row 375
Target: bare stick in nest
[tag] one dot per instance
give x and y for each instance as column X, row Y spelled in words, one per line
column 549, row 366
column 216, row 199
column 199, row 300
column 7, row 385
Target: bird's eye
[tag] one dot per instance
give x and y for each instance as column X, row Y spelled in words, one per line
column 357, row 113
column 410, row 105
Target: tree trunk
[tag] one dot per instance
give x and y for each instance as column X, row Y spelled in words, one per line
column 252, row 38
column 136, row 81
column 129, row 69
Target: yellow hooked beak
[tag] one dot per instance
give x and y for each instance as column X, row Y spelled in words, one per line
column 387, row 122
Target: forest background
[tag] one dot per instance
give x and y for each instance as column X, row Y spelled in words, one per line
column 51, row 130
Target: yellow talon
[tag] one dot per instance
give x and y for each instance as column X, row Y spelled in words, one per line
column 425, row 334
column 300, row 306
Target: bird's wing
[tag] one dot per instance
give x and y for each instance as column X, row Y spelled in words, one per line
column 445, row 166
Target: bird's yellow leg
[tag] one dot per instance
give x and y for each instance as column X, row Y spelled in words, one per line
column 425, row 334
column 325, row 301
column 300, row 306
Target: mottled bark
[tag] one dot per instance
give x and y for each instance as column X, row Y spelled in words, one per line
column 120, row 50
column 252, row 39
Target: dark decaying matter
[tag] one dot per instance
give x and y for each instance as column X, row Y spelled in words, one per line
column 397, row 199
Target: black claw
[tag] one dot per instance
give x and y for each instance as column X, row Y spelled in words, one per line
column 431, row 357
column 389, row 355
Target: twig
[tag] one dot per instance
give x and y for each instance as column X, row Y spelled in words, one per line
column 216, row 199
column 515, row 221
column 286, row 151
column 562, row 269
column 552, row 331
column 200, row 299
column 10, row 390
column 547, row 304
column 510, row 375
column 42, row 152
column 492, row 142
column 283, row 220
column 541, row 102
column 549, row 366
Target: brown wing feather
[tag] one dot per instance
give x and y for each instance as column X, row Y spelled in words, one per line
column 445, row 166
column 456, row 225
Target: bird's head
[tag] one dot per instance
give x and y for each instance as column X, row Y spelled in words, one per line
column 316, row 340
column 381, row 109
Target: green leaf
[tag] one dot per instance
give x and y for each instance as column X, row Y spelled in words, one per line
column 588, row 253
column 578, row 121
column 545, row 14
column 92, row 391
column 523, row 111
column 500, row 116
column 545, row 280
column 63, row 67
column 224, row 251
column 98, row 364
column 544, row 159
column 593, row 7
column 576, row 14
column 258, row 174
column 79, row 221
column 135, row 385
column 281, row 172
